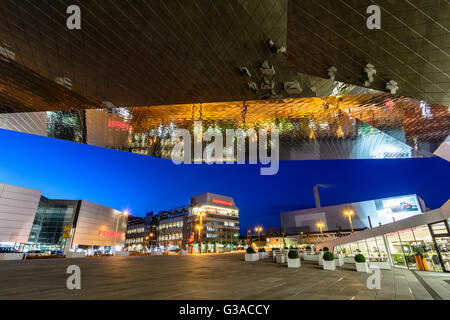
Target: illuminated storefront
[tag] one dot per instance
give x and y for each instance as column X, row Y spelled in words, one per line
column 420, row 242
column 77, row 226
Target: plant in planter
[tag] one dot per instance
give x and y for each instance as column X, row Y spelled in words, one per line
column 361, row 263
column 308, row 248
column 328, row 261
column 262, row 253
column 251, row 255
column 339, row 259
column 326, row 249
column 274, row 252
column 293, row 259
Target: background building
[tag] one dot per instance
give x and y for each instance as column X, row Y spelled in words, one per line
column 366, row 214
column 209, row 219
column 18, row 207
column 29, row 221
column 135, row 239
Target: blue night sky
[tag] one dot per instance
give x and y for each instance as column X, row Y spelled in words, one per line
column 66, row 170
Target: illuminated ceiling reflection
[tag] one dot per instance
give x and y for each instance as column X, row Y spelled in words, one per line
column 366, row 126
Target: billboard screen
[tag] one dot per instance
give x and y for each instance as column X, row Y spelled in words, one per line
column 398, row 208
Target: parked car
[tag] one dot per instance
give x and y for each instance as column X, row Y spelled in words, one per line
column 401, row 207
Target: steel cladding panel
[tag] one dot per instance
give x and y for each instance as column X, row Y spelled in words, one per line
column 96, row 226
column 18, row 207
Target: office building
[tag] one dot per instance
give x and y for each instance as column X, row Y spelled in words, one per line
column 209, row 219
column 29, row 221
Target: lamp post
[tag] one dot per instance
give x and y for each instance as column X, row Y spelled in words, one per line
column 125, row 214
column 259, row 229
column 349, row 214
column 320, row 225
column 202, row 214
column 199, row 228
column 150, row 235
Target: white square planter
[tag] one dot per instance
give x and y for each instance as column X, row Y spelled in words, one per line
column 362, row 267
column 75, row 255
column 329, row 265
column 294, row 263
column 11, row 256
column 183, row 252
column 311, row 257
column 250, row 257
column 281, row 258
column 121, row 254
column 382, row 265
column 339, row 258
column 263, row 255
column 274, row 254
column 349, row 260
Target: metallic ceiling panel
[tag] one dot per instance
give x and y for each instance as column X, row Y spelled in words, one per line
column 144, row 53
column 412, row 47
column 367, row 126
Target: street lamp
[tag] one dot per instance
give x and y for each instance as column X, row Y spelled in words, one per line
column 199, row 228
column 202, row 214
column 349, row 214
column 125, row 214
column 320, row 225
column 147, row 238
column 259, row 229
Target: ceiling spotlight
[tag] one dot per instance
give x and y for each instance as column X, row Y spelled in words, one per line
column 267, row 69
column 293, row 87
column 267, row 84
column 332, row 73
column 369, row 72
column 273, row 48
column 253, row 86
column 392, row 87
column 245, row 72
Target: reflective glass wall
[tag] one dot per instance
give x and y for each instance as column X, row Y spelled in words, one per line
column 423, row 248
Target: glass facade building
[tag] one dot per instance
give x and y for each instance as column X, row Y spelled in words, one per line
column 48, row 226
column 410, row 243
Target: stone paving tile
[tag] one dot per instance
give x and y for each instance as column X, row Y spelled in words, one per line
column 225, row 276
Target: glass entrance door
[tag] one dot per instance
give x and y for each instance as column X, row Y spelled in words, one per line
column 440, row 232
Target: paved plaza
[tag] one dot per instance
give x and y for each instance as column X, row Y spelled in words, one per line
column 215, row 276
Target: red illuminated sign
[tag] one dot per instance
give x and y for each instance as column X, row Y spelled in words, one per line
column 225, row 203
column 118, row 125
column 109, row 234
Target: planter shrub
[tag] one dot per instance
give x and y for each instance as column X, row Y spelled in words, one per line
column 250, row 250
column 293, row 254
column 293, row 259
column 328, row 256
column 262, row 250
column 326, row 249
column 328, row 261
column 361, row 264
